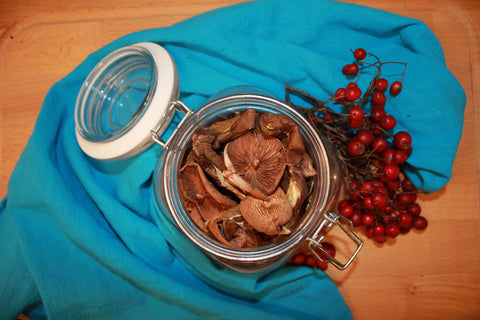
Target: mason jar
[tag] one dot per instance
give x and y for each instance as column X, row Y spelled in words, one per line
column 127, row 103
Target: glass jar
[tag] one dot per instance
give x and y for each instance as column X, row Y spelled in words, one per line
column 143, row 65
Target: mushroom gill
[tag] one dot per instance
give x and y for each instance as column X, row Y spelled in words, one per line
column 267, row 216
column 195, row 188
column 257, row 159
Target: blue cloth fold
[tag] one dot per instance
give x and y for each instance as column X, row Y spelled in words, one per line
column 77, row 236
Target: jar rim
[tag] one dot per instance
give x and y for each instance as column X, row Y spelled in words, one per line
column 135, row 136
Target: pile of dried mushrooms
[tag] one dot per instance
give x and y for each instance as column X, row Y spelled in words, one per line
column 246, row 178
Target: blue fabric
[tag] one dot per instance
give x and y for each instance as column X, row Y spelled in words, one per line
column 77, row 236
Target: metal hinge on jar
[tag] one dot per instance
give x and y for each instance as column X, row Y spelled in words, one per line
column 315, row 246
column 174, row 106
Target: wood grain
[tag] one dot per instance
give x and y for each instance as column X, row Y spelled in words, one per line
column 426, row 275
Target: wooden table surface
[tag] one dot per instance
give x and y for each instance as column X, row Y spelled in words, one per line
column 430, row 275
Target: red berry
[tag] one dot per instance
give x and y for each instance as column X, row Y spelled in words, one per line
column 322, row 265
column 420, row 223
column 359, row 54
column 353, row 93
column 343, row 203
column 368, row 220
column 391, row 171
column 355, row 123
column 365, row 136
column 379, row 200
column 402, row 140
column 381, row 84
column 352, row 85
column 414, row 209
column 392, row 230
column 387, row 156
column 356, row 218
column 327, row 117
column 399, row 157
column 378, row 183
column 341, row 94
column 376, row 106
column 406, row 198
column 310, row 261
column 396, row 87
column 366, row 189
column 380, row 239
column 368, row 203
column 346, row 211
column 378, row 97
column 329, row 248
column 388, row 122
column 355, row 148
column 404, row 219
column 379, row 144
column 393, row 184
column 350, row 69
column 378, row 115
column 382, row 190
column 298, row 259
column 407, row 185
column 353, row 191
column 388, row 209
column 378, row 230
column 356, row 114
column 369, row 232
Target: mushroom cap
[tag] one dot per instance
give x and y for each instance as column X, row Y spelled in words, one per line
column 234, row 127
column 257, row 158
column 282, row 126
column 196, row 188
column 267, row 216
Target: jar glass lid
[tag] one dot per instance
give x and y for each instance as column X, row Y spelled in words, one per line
column 128, row 94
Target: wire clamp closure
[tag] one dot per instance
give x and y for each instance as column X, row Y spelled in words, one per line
column 314, row 242
column 174, row 106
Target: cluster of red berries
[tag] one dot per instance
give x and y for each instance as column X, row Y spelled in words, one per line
column 379, row 195
column 386, row 209
column 307, row 259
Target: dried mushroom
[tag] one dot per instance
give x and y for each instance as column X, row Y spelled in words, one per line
column 231, row 230
column 282, row 126
column 297, row 188
column 247, row 178
column 229, row 129
column 199, row 192
column 202, row 148
column 238, row 183
column 267, row 216
column 307, row 167
column 258, row 159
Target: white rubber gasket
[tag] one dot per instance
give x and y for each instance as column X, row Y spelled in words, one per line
column 139, row 136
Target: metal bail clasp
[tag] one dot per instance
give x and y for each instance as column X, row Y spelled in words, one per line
column 338, row 220
column 174, row 106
